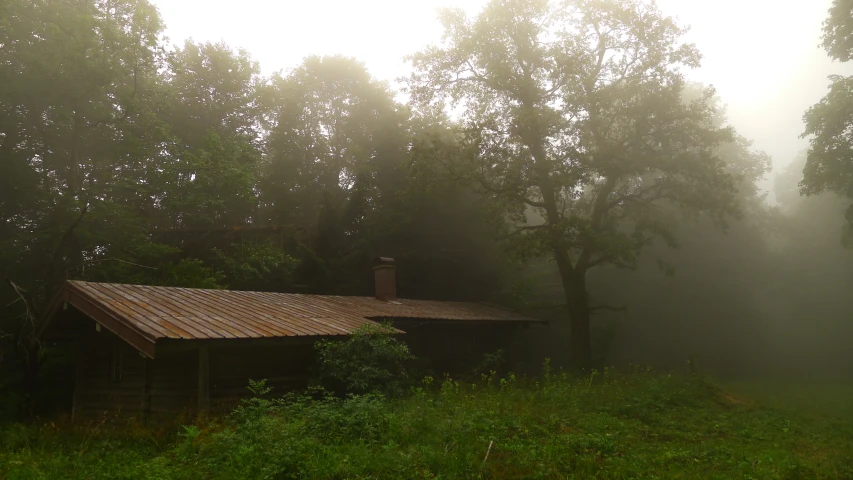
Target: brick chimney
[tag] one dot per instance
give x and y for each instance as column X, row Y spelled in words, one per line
column 386, row 282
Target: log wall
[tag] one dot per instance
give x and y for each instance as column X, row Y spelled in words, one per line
column 114, row 381
column 456, row 349
column 173, row 388
column 187, row 378
column 110, row 379
column 284, row 367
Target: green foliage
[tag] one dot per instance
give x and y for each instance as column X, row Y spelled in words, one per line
column 831, row 147
column 190, row 273
column 577, row 113
column 372, row 359
column 829, row 123
column 605, row 425
column 838, row 31
column 491, row 364
column 125, row 160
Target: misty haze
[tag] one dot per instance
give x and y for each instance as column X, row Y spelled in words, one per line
column 471, row 239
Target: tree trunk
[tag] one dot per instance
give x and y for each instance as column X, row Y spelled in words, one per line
column 578, row 307
column 573, row 277
column 31, row 382
column 74, row 160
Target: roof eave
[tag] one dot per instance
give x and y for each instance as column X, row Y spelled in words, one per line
column 78, row 299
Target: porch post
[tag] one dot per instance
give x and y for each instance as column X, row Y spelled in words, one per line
column 79, row 371
column 203, row 381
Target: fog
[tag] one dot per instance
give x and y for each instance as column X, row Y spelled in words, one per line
column 760, row 299
column 762, row 57
column 263, row 145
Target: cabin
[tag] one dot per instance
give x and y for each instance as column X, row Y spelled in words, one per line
column 157, row 353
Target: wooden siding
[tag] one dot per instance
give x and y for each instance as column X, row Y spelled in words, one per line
column 284, row 367
column 174, row 386
column 456, row 349
column 98, row 393
column 166, row 389
column 169, row 388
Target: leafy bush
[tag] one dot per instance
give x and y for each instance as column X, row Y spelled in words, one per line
column 372, row 359
column 491, row 364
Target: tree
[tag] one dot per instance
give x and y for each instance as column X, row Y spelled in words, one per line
column 829, row 163
column 575, row 109
column 75, row 75
column 838, row 31
column 336, row 147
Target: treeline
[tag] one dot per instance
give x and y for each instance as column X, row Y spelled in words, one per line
column 126, row 159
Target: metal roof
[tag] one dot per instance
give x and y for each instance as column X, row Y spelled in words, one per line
column 143, row 314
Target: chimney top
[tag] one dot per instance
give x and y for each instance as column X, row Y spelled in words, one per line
column 383, row 262
column 385, row 278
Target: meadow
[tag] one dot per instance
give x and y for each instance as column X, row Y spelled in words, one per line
column 603, row 425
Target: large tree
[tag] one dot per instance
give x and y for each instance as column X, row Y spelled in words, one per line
column 829, row 123
column 576, row 109
column 75, row 76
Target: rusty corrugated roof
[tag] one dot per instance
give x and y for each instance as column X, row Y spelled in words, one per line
column 187, row 313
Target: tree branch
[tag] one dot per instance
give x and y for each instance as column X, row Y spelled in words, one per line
column 112, row 259
column 30, row 315
column 599, row 210
column 598, row 308
column 531, row 227
column 65, row 237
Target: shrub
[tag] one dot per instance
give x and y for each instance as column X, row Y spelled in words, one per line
column 491, row 364
column 372, row 359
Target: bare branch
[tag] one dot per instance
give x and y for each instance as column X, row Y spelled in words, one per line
column 550, row 307
column 102, row 260
column 30, row 316
column 640, row 197
column 598, row 261
column 599, row 210
column 598, row 308
column 531, row 227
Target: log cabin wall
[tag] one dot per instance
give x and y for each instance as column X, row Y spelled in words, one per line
column 187, row 377
column 110, row 379
column 114, row 381
column 454, row 348
column 173, row 386
column 285, row 367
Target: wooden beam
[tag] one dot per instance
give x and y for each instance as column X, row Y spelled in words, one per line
column 121, row 328
column 232, row 229
column 203, row 380
column 79, row 370
column 146, row 390
column 172, row 345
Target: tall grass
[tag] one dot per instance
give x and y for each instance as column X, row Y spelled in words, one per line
column 604, row 425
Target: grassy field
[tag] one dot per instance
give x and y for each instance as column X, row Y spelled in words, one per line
column 810, row 397
column 601, row 426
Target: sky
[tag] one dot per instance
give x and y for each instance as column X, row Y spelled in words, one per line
column 761, row 55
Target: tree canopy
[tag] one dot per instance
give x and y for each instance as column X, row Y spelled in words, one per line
column 829, row 123
column 577, row 110
column 551, row 156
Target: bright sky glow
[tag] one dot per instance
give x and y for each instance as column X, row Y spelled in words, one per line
column 761, row 55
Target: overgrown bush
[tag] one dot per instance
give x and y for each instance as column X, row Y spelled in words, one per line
column 370, row 360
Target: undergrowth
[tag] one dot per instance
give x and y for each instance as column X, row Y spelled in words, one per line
column 604, row 425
